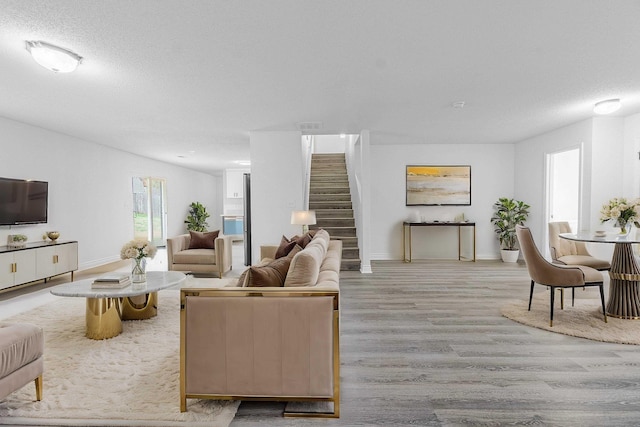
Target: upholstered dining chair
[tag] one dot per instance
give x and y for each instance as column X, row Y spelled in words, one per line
column 555, row 276
column 569, row 252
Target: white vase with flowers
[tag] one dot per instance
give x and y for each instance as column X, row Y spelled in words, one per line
column 138, row 251
column 624, row 212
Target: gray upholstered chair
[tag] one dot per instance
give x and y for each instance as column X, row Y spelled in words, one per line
column 556, row 276
column 569, row 252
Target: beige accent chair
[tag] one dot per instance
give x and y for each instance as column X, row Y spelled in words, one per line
column 204, row 261
column 556, row 276
column 569, row 252
column 21, row 358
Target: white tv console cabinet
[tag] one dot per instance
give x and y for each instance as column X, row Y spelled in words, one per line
column 36, row 261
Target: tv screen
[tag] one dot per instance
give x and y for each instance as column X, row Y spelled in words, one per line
column 23, row 201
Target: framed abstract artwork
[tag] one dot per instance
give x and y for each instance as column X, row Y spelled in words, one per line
column 437, row 185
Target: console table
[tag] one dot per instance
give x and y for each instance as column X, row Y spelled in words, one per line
column 36, row 261
column 409, row 226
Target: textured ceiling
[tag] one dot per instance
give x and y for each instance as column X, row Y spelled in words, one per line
column 192, row 78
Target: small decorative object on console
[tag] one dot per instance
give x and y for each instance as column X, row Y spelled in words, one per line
column 138, row 250
column 53, row 235
column 16, row 240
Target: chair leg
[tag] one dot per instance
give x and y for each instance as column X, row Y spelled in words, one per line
column 531, row 295
column 604, row 310
column 38, row 382
column 561, row 298
column 552, row 293
column 573, row 296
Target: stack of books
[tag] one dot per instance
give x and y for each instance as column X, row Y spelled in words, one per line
column 112, row 281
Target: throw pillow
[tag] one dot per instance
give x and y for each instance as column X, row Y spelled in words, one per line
column 305, row 267
column 200, row 240
column 272, row 274
column 243, row 280
column 285, row 247
column 304, row 240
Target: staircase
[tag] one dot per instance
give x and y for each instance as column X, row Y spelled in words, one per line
column 330, row 197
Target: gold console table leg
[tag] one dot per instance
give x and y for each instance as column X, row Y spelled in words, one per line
column 103, row 318
column 140, row 307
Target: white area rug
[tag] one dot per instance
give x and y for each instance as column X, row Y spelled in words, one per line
column 584, row 320
column 128, row 380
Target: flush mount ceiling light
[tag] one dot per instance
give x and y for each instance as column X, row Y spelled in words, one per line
column 607, row 107
column 52, row 57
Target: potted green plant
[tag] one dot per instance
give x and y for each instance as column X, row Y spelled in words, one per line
column 197, row 218
column 509, row 213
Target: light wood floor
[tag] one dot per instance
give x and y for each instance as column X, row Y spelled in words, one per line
column 425, row 344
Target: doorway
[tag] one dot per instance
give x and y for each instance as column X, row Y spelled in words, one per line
column 564, row 189
column 149, row 210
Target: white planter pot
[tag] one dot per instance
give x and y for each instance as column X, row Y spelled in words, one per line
column 509, row 256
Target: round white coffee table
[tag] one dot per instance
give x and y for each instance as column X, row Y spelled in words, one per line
column 106, row 308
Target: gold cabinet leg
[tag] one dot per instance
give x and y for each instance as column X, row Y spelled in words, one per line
column 140, row 307
column 103, row 318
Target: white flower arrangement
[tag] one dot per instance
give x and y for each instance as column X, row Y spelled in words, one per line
column 620, row 210
column 138, row 249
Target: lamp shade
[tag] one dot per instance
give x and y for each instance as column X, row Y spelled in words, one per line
column 52, row 57
column 303, row 217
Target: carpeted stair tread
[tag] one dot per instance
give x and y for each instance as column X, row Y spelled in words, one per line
column 330, row 197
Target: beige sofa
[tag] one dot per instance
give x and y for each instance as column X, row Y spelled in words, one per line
column 207, row 261
column 266, row 343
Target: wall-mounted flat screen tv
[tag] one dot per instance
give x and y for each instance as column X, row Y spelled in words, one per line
column 23, row 201
column 438, row 185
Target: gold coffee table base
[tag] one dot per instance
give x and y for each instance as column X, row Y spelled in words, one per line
column 105, row 315
column 103, row 318
column 140, row 307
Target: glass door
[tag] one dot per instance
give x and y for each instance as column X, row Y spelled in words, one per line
column 149, row 212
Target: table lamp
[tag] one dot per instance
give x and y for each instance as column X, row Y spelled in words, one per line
column 303, row 218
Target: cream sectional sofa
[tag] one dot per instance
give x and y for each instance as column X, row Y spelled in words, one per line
column 267, row 343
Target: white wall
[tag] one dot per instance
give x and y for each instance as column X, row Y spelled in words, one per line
column 90, row 189
column 329, row 144
column 492, row 176
column 530, row 158
column 610, row 169
column 631, row 184
column 607, row 167
column 357, row 158
column 276, row 186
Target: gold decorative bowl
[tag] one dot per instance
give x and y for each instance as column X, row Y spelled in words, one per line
column 53, row 235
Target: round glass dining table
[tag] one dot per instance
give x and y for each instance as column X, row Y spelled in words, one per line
column 624, row 295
